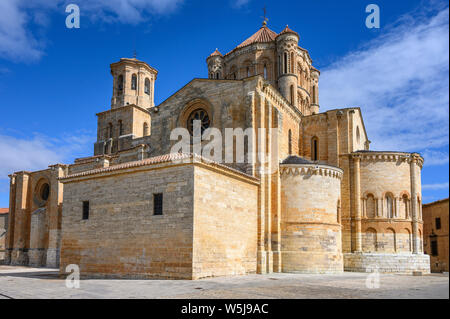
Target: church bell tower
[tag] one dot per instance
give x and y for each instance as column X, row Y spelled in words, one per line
column 134, row 83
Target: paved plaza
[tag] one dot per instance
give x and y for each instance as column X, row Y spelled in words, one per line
column 25, row 282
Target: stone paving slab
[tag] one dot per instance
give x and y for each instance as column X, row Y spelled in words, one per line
column 25, row 282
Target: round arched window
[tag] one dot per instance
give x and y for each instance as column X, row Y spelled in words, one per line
column 44, row 192
column 198, row 115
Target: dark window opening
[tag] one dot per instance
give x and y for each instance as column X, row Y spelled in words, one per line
column 434, row 248
column 147, row 86
column 158, row 204
column 45, row 191
column 133, row 82
column 85, row 210
column 314, row 151
column 438, row 223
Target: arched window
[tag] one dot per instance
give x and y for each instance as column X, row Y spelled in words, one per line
column 279, row 65
column 217, row 75
column 211, row 76
column 147, row 86
column 370, row 206
column 120, row 84
column 405, row 206
column 358, row 136
column 248, row 71
column 290, row 142
column 285, row 69
column 314, row 94
column 120, row 128
column 198, row 115
column 370, row 240
column 265, row 71
column 110, row 130
column 291, row 92
column 292, row 62
column 315, row 149
column 234, row 76
column 145, row 129
column 133, row 82
column 389, row 206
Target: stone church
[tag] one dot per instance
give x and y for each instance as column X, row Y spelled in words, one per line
column 137, row 210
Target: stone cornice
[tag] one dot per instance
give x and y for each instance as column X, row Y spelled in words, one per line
column 311, row 169
column 158, row 162
column 386, row 156
column 122, row 108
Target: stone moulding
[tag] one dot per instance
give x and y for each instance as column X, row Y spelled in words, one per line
column 311, row 169
column 162, row 161
column 374, row 156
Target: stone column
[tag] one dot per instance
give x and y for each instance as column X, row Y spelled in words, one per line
column 268, row 186
column 414, row 208
column 260, row 150
column 9, row 242
column 356, row 171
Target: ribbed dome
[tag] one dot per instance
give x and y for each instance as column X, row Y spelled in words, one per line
column 263, row 35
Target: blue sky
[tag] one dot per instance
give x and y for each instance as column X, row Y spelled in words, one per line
column 53, row 80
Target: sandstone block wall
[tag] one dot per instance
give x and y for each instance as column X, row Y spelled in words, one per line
column 225, row 224
column 122, row 237
column 3, row 229
column 387, row 263
column 431, row 212
column 310, row 219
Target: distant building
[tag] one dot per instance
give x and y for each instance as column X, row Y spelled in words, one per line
column 435, row 234
column 3, row 227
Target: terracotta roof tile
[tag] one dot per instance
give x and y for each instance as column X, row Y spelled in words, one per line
column 263, row 35
column 288, row 30
column 4, row 211
column 171, row 157
column 215, row 53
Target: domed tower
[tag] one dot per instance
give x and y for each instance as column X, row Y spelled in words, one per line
column 134, row 83
column 215, row 65
column 287, row 43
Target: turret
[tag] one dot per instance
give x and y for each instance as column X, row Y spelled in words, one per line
column 314, row 90
column 215, row 65
column 134, row 83
column 287, row 43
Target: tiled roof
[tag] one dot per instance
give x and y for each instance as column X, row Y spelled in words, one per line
column 215, row 53
column 263, row 35
column 4, row 211
column 288, row 30
column 171, row 157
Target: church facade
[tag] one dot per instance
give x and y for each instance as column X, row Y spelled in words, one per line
column 320, row 202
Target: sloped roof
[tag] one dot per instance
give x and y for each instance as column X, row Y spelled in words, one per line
column 215, row 53
column 288, row 30
column 263, row 35
column 293, row 159
column 4, row 211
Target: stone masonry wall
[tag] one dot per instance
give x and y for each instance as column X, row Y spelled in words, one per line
column 225, row 225
column 122, row 238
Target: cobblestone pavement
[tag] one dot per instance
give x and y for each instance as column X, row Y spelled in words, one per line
column 25, row 282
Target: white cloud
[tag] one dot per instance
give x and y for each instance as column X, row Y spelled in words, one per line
column 435, row 186
column 400, row 81
column 20, row 19
column 39, row 151
column 240, row 3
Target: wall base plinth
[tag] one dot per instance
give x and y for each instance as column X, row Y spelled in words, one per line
column 406, row 263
